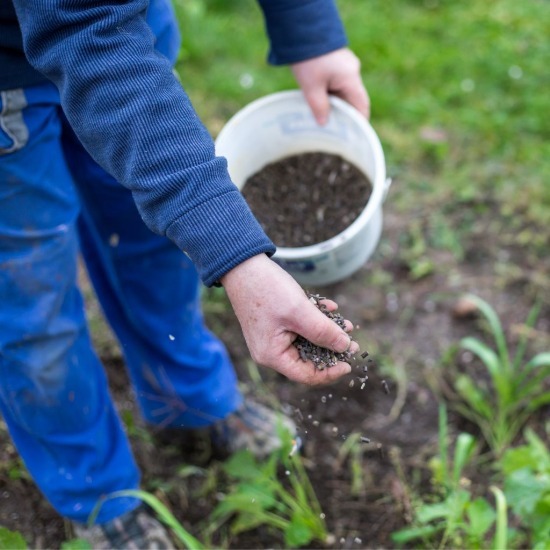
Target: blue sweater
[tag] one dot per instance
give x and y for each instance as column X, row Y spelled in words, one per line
column 136, row 121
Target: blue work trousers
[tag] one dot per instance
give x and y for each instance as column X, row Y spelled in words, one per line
column 55, row 203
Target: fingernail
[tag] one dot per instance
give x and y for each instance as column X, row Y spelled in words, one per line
column 343, row 343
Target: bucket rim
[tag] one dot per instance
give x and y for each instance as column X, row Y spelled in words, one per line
column 379, row 186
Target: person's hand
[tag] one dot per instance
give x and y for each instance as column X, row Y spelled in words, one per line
column 337, row 73
column 272, row 309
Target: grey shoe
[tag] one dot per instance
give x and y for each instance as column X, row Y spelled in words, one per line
column 253, row 427
column 134, row 530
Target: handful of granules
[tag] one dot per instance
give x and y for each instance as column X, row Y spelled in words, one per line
column 322, row 357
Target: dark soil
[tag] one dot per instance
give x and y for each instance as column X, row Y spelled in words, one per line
column 320, row 193
column 407, row 323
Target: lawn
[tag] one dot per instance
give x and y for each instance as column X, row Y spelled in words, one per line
column 458, row 89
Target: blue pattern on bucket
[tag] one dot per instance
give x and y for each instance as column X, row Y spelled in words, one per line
column 297, row 266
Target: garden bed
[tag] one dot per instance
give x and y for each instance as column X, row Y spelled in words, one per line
column 408, row 323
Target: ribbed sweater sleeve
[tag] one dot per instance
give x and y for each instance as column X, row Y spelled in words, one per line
column 302, row 29
column 136, row 121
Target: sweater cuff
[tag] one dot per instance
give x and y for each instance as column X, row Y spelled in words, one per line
column 220, row 234
column 302, row 30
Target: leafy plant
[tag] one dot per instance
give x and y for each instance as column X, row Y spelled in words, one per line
column 11, row 540
column 455, row 519
column 527, row 488
column 516, row 386
column 14, row 540
column 257, row 497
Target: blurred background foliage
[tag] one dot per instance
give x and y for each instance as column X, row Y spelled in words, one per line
column 459, row 89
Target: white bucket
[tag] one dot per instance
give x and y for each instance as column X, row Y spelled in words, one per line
column 280, row 125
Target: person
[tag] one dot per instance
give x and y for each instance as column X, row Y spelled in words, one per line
column 102, row 154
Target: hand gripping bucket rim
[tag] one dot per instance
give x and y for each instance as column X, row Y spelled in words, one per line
column 225, row 146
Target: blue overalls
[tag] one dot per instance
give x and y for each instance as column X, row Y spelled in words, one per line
column 55, row 203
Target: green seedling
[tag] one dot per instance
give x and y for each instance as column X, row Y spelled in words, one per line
column 257, row 498
column 353, row 450
column 454, row 518
column 516, row 387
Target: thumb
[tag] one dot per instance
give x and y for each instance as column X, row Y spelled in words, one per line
column 318, row 101
column 322, row 331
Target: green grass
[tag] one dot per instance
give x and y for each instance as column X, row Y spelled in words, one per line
column 475, row 71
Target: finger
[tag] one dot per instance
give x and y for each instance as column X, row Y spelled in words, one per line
column 329, row 304
column 356, row 94
column 319, row 103
column 349, row 325
column 320, row 330
column 354, row 347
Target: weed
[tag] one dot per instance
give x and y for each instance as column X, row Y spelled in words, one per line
column 257, row 497
column 353, row 449
column 527, row 487
column 455, row 519
column 516, row 387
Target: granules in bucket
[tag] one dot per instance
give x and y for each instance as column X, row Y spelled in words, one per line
column 305, row 199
